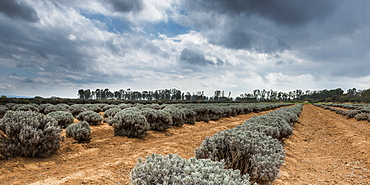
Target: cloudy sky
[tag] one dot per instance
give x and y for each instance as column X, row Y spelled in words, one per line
column 55, row 47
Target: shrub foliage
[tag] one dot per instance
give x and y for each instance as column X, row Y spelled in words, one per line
column 28, row 134
column 129, row 123
column 79, row 131
column 173, row 170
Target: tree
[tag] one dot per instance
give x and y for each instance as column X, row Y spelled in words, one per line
column 81, row 94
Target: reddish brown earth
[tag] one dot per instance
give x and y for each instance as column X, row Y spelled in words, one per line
column 325, row 148
column 108, row 159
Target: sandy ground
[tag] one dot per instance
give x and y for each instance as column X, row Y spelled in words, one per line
column 325, row 148
column 108, row 159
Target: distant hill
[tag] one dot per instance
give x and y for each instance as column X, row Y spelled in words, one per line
column 15, row 96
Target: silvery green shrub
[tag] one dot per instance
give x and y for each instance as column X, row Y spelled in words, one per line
column 153, row 106
column 123, row 105
column 178, row 116
column 190, row 116
column 158, row 120
column 362, row 116
column 202, row 113
column 10, row 106
column 273, row 126
column 228, row 111
column 3, row 110
column 28, row 134
column 27, row 107
column 174, row 170
column 64, row 105
column 91, row 117
column 42, row 107
column 215, row 112
column 352, row 113
column 79, row 131
column 76, row 109
column 105, row 108
column 251, row 152
column 111, row 112
column 53, row 108
column 93, row 107
column 129, row 123
column 64, row 118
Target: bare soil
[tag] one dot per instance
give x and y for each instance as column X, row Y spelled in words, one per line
column 108, row 159
column 325, row 148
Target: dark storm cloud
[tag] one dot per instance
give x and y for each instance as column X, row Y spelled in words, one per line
column 333, row 35
column 284, row 11
column 14, row 9
column 195, row 58
column 126, row 5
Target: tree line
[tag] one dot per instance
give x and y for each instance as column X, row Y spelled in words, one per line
column 162, row 94
column 335, row 95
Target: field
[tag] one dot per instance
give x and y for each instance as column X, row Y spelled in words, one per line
column 325, row 148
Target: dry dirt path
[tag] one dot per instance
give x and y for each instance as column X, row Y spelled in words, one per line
column 108, row 159
column 326, row 148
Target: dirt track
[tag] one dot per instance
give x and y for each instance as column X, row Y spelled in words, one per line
column 325, row 148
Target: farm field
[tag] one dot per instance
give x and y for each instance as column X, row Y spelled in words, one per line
column 108, row 159
column 325, row 148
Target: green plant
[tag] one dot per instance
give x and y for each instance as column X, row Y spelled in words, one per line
column 273, row 126
column 93, row 107
column 105, row 108
column 3, row 110
column 63, row 118
column 352, row 113
column 91, row 117
column 362, row 116
column 79, row 131
column 190, row 116
column 215, row 112
column 42, row 107
column 178, row 116
column 76, row 109
column 28, row 134
column 129, row 123
column 27, row 107
column 251, row 152
column 158, row 120
column 53, row 108
column 202, row 113
column 111, row 112
column 124, row 105
column 174, row 170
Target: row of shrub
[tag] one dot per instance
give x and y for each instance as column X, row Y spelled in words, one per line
column 136, row 121
column 361, row 114
column 252, row 149
column 34, row 130
column 230, row 109
column 362, row 107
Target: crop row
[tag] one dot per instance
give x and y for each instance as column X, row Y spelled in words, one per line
column 253, row 150
column 32, row 130
column 359, row 112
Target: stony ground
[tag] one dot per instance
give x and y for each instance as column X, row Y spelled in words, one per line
column 325, row 148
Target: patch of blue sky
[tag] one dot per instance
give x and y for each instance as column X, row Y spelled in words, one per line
column 112, row 24
column 170, row 29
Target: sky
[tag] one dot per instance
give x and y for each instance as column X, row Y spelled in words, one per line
column 56, row 47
